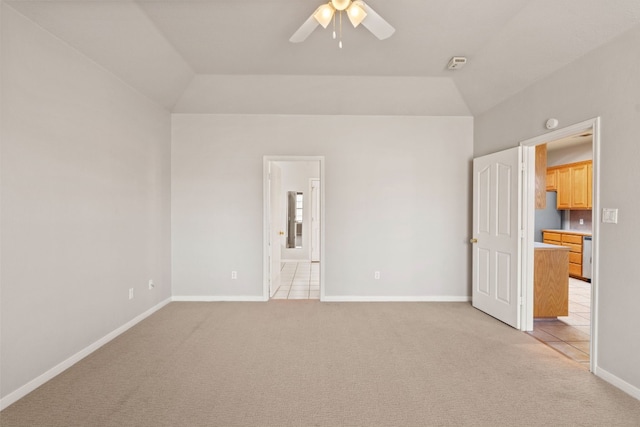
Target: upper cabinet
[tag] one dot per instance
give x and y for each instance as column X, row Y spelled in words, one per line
column 574, row 184
column 552, row 179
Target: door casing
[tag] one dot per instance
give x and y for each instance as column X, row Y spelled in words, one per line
column 266, row 237
column 528, row 221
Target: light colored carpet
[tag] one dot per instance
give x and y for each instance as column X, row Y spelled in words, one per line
column 306, row 363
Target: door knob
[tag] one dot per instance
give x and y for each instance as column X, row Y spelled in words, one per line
column 473, row 241
column 281, row 233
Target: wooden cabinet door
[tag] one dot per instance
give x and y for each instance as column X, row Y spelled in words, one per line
column 579, row 186
column 564, row 188
column 552, row 179
column 590, row 186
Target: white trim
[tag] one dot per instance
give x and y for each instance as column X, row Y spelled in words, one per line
column 60, row 367
column 354, row 298
column 265, row 219
column 295, row 260
column 218, row 298
column 528, row 226
column 529, row 216
column 618, row 382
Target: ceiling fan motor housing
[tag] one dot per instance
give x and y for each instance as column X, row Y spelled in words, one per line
column 340, row 4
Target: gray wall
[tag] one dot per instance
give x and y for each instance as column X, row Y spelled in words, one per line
column 396, row 201
column 85, row 202
column 573, row 154
column 604, row 83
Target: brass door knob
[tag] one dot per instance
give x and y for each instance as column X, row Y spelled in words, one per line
column 282, row 233
column 473, row 241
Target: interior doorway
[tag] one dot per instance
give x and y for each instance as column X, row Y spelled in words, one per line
column 293, row 227
column 575, row 228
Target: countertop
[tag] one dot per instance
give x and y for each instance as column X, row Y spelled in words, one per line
column 538, row 245
column 578, row 232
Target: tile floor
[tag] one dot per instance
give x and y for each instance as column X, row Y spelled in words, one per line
column 299, row 280
column 571, row 334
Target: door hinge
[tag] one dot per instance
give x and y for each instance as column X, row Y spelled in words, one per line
column 523, row 166
column 521, row 234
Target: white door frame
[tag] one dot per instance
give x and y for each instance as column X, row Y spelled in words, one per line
column 528, row 211
column 266, row 220
column 314, row 205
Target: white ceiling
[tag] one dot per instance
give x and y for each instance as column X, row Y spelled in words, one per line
column 162, row 47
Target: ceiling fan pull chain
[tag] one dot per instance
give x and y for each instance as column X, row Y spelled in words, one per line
column 334, row 26
column 340, row 43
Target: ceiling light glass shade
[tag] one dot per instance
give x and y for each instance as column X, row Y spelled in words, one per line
column 324, row 14
column 356, row 14
column 340, row 4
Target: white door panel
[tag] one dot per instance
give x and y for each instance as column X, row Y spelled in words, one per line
column 275, row 231
column 496, row 224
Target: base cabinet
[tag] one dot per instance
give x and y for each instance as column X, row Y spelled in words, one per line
column 571, row 240
column 551, row 282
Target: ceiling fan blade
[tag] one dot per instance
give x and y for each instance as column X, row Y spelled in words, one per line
column 305, row 30
column 376, row 24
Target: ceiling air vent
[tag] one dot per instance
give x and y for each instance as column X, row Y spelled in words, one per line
column 456, row 62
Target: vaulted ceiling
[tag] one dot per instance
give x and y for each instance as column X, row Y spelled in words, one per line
column 234, row 56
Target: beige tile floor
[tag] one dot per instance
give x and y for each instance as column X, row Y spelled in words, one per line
column 571, row 334
column 299, row 280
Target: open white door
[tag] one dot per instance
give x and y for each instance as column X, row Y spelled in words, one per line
column 496, row 238
column 315, row 220
column 275, row 231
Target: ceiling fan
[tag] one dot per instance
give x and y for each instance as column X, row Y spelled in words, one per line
column 357, row 11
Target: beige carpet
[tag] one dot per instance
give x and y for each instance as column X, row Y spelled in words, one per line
column 306, row 363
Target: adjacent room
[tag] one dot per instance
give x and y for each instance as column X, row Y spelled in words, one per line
column 267, row 212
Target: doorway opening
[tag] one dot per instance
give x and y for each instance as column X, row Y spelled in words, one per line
column 293, row 227
column 559, row 254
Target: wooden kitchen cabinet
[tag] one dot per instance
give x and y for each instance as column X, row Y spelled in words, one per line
column 550, row 281
column 574, row 184
column 552, row 179
column 571, row 240
column 580, row 187
column 564, row 189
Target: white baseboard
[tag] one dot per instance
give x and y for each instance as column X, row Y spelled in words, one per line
column 353, row 298
column 218, row 298
column 59, row 368
column 618, row 382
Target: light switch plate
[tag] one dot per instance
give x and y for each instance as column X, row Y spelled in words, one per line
column 610, row 215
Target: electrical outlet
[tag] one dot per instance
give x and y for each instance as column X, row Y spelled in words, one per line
column 234, row 275
column 376, row 275
column 581, row 221
column 130, row 293
column 151, row 285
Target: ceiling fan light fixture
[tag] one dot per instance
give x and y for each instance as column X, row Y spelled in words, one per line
column 340, row 4
column 356, row 14
column 324, row 14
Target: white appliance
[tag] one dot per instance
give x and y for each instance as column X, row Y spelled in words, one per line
column 586, row 257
